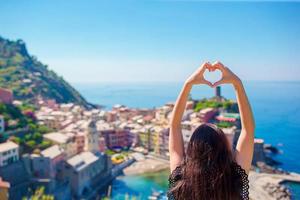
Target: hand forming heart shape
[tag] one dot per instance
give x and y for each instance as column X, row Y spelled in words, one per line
column 213, row 76
column 224, row 75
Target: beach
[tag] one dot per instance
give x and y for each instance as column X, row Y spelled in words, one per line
column 148, row 165
column 269, row 186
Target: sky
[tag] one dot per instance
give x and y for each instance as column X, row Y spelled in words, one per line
column 156, row 41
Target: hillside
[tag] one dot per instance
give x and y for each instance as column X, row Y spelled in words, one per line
column 28, row 78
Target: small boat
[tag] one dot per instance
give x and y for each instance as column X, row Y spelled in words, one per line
column 157, row 195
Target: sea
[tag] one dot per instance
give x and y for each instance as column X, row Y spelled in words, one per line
column 276, row 108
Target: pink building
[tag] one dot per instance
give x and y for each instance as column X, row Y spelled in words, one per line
column 111, row 116
column 117, row 138
column 80, row 142
column 228, row 117
column 207, row 114
column 102, row 145
column 51, row 103
column 190, row 105
column 6, row 96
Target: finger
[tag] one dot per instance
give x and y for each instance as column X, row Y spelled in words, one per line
column 218, row 65
column 218, row 83
column 206, row 65
column 213, row 68
column 208, row 83
column 210, row 67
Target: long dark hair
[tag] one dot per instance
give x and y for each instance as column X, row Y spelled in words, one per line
column 207, row 170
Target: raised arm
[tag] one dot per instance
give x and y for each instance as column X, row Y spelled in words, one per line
column 245, row 145
column 176, row 146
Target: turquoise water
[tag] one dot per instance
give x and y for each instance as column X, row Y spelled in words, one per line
column 139, row 187
column 276, row 107
column 295, row 188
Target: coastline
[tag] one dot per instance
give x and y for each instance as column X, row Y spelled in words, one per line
column 270, row 186
column 149, row 164
column 265, row 186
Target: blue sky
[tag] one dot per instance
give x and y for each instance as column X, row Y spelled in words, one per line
column 166, row 40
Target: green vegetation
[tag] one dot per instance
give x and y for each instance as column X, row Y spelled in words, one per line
column 39, row 194
column 224, row 124
column 212, row 103
column 109, row 152
column 13, row 117
column 33, row 140
column 28, row 78
column 23, row 117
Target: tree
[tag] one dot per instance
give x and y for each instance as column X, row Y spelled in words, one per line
column 45, row 144
column 31, row 144
column 39, row 194
column 27, row 137
column 17, row 140
column 43, row 129
column 37, row 136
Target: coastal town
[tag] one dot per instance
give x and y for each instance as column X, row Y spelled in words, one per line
column 85, row 149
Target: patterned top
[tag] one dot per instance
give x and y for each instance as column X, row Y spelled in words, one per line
column 244, row 190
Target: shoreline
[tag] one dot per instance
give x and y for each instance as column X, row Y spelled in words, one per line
column 271, row 186
column 147, row 165
column 265, row 186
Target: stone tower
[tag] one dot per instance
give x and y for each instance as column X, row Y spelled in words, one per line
column 93, row 137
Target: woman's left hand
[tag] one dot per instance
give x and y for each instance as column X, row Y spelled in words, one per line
column 198, row 78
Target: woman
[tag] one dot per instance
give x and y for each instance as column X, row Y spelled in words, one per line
column 209, row 169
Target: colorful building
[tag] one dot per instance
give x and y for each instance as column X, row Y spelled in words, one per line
column 144, row 138
column 9, row 153
column 150, row 138
column 119, row 138
column 102, row 144
column 190, row 105
column 111, row 116
column 6, row 96
column 259, row 153
column 80, row 142
column 4, row 187
column 65, row 141
column 164, row 142
column 207, row 114
column 228, row 117
column 85, row 172
column 2, row 124
column 47, row 163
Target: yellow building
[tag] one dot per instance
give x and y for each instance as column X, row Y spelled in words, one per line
column 150, row 139
column 155, row 139
column 144, row 139
column 4, row 187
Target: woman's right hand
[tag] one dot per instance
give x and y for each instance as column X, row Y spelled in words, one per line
column 227, row 75
column 198, row 78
